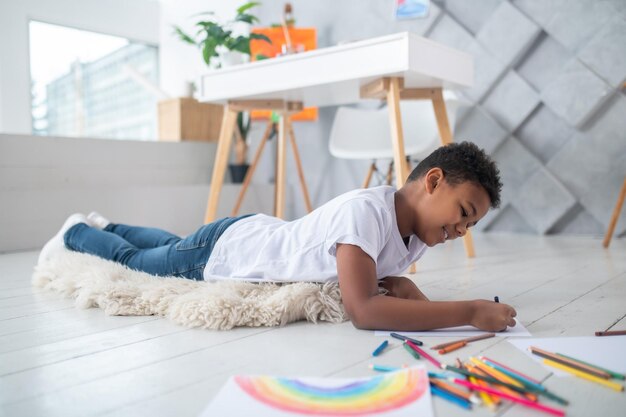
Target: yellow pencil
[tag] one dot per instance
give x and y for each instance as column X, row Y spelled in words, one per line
column 483, row 395
column 580, row 374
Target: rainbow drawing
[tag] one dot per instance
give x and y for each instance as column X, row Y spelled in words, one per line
column 378, row 394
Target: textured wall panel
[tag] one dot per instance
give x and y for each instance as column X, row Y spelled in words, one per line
column 543, row 63
column 511, row 101
column 516, row 165
column 576, row 93
column 471, row 14
column 508, row 33
column 544, row 134
column 606, row 52
column 542, row 200
column 479, row 127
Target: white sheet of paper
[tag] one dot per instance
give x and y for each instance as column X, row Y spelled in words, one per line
column 606, row 352
column 399, row 394
column 462, row 331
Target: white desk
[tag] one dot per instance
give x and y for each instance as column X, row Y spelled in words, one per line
column 393, row 67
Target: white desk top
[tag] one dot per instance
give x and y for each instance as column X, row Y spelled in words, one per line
column 334, row 75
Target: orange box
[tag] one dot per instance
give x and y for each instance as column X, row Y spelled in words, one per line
column 305, row 38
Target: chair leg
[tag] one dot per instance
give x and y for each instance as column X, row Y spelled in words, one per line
column 390, row 173
column 368, row 177
column 616, row 212
column 296, row 155
column 250, row 173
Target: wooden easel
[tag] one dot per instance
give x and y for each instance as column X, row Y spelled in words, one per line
column 392, row 89
column 271, row 125
column 616, row 212
column 229, row 121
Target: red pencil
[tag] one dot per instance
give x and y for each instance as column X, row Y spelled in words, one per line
column 424, row 354
column 519, row 400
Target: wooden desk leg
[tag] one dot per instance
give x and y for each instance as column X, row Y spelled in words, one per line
column 250, row 173
column 439, row 106
column 397, row 137
column 281, row 167
column 296, row 155
column 221, row 161
column 614, row 217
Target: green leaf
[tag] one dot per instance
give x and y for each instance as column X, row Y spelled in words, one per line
column 247, row 6
column 240, row 44
column 247, row 18
column 209, row 47
column 260, row 36
column 183, row 36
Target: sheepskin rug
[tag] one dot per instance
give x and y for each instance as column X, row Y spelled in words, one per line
column 120, row 291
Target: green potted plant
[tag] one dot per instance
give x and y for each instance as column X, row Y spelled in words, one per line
column 214, row 39
column 221, row 48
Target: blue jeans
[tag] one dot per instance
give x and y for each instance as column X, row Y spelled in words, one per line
column 150, row 250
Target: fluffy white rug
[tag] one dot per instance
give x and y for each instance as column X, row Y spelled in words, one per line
column 118, row 290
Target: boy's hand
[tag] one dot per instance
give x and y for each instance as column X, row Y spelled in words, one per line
column 492, row 317
column 402, row 287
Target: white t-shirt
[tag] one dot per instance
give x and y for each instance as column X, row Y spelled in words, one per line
column 265, row 248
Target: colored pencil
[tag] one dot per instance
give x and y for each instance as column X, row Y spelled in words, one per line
column 504, row 379
column 511, row 370
column 513, row 398
column 403, row 337
column 584, row 375
column 537, row 388
column 568, row 362
column 425, row 355
column 453, row 390
column 411, row 351
column 467, row 340
column 453, row 347
column 383, row 368
column 492, row 380
column 489, row 402
column 447, row 396
column 612, row 333
column 513, row 375
column 613, row 374
column 380, row 348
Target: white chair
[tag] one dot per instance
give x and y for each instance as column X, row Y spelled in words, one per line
column 366, row 134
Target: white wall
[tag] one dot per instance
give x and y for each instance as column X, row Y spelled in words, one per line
column 136, row 20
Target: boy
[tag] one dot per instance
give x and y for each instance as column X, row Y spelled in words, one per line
column 362, row 238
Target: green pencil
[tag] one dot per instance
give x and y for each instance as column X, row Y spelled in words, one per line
column 411, row 351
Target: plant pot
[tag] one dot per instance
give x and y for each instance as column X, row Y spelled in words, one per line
column 231, row 58
column 238, row 172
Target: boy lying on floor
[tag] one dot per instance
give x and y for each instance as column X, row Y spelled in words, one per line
column 363, row 239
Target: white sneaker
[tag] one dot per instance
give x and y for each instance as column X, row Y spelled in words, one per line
column 56, row 244
column 97, row 220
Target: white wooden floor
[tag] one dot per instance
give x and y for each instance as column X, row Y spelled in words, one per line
column 56, row 360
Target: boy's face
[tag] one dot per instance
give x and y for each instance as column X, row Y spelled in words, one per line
column 449, row 210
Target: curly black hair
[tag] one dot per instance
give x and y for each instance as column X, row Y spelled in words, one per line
column 462, row 162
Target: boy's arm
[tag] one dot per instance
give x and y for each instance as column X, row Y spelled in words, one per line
column 402, row 287
column 368, row 310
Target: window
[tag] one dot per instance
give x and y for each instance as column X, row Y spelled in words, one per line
column 88, row 84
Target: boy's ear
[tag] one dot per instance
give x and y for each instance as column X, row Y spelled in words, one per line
column 433, row 179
